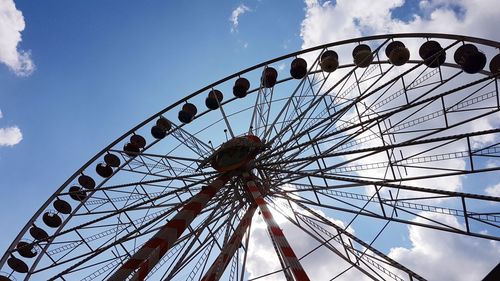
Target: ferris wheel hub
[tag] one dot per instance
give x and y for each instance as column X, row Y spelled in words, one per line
column 236, row 154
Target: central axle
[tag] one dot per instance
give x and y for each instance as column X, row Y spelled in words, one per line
column 237, row 154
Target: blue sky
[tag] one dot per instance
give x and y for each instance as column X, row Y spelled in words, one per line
column 101, row 67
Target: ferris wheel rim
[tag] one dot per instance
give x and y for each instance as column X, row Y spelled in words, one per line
column 211, row 86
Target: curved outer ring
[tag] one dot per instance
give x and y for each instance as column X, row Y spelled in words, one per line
column 476, row 40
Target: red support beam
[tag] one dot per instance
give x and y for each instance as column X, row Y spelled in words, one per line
column 215, row 271
column 286, row 251
column 153, row 250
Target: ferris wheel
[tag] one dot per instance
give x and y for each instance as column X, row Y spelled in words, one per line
column 369, row 134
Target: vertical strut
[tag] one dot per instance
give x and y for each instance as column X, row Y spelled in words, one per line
column 215, row 271
column 154, row 249
column 286, row 251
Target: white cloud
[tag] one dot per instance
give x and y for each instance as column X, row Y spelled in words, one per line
column 441, row 256
column 493, row 190
column 11, row 26
column 10, row 136
column 234, row 19
column 330, row 21
column 322, row 264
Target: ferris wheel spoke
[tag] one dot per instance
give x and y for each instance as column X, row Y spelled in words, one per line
column 286, row 114
column 73, row 230
column 108, row 229
column 203, row 253
column 111, row 215
column 333, row 102
column 371, row 264
column 319, row 121
column 488, row 151
column 178, row 159
column 177, row 204
column 222, row 260
column 235, row 264
column 315, row 146
column 355, row 122
column 262, row 110
column 226, row 119
column 294, row 131
column 234, row 270
column 300, row 117
column 301, row 91
column 315, row 102
column 464, row 202
column 333, row 143
column 373, row 121
column 230, row 115
column 85, row 257
column 404, row 214
column 139, row 188
column 433, row 224
column 192, row 234
column 342, row 99
column 117, row 260
column 148, row 228
column 438, row 204
column 354, row 182
column 193, row 178
column 299, row 105
column 142, row 257
column 396, row 128
column 151, row 207
column 162, row 199
column 211, row 230
column 203, row 260
column 339, row 170
column 302, row 94
column 407, row 162
column 190, row 141
column 378, row 102
column 141, row 172
column 160, row 163
column 165, row 165
column 133, row 196
column 135, row 199
column 360, row 249
column 339, row 99
column 159, row 168
column 416, row 82
column 358, row 118
column 312, row 231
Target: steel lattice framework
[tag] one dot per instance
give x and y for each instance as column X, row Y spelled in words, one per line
column 373, row 142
